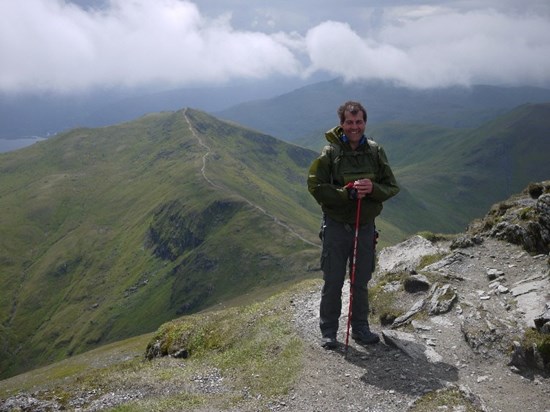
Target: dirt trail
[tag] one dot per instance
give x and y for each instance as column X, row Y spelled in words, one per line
column 219, row 187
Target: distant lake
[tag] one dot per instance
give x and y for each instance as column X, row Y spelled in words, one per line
column 8, row 145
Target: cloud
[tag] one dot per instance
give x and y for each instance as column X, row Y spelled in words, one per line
column 438, row 47
column 53, row 45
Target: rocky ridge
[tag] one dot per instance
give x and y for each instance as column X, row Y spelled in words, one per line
column 473, row 322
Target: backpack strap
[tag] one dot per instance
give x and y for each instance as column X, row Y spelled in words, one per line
column 335, row 151
column 375, row 152
column 373, row 145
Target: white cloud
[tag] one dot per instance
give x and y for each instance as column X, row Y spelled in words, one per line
column 54, row 45
column 48, row 44
column 433, row 48
column 335, row 47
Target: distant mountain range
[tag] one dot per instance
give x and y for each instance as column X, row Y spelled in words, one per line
column 45, row 114
column 304, row 114
column 108, row 232
column 473, row 145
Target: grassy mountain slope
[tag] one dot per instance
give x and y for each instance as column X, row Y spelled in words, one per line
column 453, row 176
column 250, row 351
column 106, row 233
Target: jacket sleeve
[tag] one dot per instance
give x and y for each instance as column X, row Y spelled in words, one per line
column 385, row 185
column 319, row 182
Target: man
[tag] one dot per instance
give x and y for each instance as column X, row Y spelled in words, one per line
column 350, row 169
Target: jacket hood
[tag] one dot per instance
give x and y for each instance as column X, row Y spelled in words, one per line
column 333, row 135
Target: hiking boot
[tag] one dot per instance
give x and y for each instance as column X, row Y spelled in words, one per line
column 329, row 342
column 365, row 336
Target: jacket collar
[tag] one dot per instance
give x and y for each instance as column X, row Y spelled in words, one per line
column 344, row 139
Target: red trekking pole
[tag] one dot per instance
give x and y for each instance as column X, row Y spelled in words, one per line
column 352, row 274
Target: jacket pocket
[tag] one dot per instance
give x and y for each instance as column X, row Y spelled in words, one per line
column 325, row 262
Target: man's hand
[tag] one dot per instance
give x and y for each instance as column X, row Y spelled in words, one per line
column 363, row 187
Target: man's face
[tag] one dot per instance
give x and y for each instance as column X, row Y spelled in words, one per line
column 354, row 126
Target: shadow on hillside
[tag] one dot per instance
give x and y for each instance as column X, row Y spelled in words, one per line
column 389, row 368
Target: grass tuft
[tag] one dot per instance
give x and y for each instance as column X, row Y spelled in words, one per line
column 541, row 341
column 383, row 301
column 427, row 260
column 446, row 399
column 436, row 237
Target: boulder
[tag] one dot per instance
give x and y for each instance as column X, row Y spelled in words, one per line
column 522, row 220
column 442, row 299
column 406, row 256
column 410, row 346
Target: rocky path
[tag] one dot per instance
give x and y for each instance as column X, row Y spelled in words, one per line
column 465, row 348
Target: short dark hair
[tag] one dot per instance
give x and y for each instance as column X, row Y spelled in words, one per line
column 353, row 108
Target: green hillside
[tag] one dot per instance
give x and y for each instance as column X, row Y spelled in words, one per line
column 109, row 232
column 452, row 176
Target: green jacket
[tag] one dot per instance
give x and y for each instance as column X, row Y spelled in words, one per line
column 337, row 165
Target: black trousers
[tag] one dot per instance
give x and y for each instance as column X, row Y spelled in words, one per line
column 336, row 261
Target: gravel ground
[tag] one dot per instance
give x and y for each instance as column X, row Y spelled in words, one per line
column 383, row 378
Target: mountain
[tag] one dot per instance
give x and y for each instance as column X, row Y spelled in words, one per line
column 303, row 115
column 460, row 320
column 108, row 232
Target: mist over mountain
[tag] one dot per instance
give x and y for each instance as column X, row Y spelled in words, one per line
column 45, row 114
column 291, row 110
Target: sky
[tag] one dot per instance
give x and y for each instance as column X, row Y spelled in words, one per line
column 68, row 47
